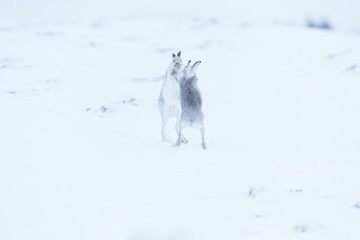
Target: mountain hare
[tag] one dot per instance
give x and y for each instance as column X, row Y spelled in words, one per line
column 169, row 99
column 191, row 102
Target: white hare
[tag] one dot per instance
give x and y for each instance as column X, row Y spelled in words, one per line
column 191, row 103
column 169, row 99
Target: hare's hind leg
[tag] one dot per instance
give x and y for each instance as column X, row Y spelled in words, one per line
column 164, row 119
column 180, row 137
column 163, row 136
column 179, row 130
column 202, row 138
column 164, row 116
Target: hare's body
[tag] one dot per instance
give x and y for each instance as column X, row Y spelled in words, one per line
column 191, row 102
column 169, row 99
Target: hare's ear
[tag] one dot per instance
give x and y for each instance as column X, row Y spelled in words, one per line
column 189, row 62
column 179, row 54
column 173, row 55
column 195, row 66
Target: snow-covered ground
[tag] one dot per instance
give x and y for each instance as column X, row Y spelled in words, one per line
column 81, row 155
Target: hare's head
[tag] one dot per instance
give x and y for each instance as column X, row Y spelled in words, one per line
column 176, row 60
column 189, row 71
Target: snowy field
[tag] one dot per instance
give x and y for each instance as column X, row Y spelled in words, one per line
column 81, row 155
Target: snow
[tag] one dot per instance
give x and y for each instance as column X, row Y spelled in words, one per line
column 81, row 155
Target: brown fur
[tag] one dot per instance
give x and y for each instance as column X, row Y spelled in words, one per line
column 174, row 74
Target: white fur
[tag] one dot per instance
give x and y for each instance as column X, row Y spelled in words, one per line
column 169, row 99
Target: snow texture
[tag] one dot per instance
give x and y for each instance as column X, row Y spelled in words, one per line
column 81, row 155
